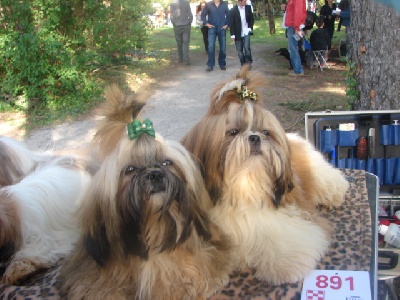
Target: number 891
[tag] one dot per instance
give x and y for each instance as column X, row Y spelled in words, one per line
column 333, row 282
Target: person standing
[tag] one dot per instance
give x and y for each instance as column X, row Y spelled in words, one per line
column 328, row 11
column 283, row 6
column 199, row 22
column 344, row 12
column 181, row 19
column 241, row 27
column 215, row 16
column 294, row 22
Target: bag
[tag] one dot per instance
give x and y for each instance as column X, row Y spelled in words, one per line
column 307, row 45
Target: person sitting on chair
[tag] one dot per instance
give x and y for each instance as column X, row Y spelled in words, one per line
column 320, row 38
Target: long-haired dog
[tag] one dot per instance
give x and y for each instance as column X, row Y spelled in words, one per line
column 144, row 224
column 38, row 198
column 264, row 183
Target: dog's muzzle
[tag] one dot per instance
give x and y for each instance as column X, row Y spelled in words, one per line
column 255, row 144
column 157, row 181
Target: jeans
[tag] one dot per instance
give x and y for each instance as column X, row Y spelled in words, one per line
column 182, row 36
column 213, row 33
column 293, row 46
column 243, row 50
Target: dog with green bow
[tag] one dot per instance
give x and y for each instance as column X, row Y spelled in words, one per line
column 145, row 230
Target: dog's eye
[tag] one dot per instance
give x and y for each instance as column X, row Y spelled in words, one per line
column 167, row 162
column 265, row 132
column 233, row 132
column 129, row 169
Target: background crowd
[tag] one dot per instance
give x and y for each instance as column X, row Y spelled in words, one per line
column 216, row 17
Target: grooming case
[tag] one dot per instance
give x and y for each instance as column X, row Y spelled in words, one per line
column 370, row 141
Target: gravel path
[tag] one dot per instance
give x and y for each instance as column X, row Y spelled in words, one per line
column 174, row 107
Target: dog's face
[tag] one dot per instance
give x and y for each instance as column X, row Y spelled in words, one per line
column 247, row 152
column 243, row 147
column 148, row 197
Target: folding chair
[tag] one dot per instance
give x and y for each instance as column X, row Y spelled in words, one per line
column 320, row 58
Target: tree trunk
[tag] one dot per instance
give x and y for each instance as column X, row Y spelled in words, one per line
column 271, row 17
column 373, row 43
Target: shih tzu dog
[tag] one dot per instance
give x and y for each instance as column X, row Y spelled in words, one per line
column 145, row 231
column 265, row 184
column 38, row 197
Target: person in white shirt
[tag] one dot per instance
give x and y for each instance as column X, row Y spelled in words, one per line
column 241, row 28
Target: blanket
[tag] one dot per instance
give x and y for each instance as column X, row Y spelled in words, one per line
column 351, row 249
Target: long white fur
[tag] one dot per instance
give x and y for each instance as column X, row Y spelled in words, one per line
column 47, row 200
column 232, row 85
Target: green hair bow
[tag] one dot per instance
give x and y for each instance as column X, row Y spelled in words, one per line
column 136, row 128
column 244, row 93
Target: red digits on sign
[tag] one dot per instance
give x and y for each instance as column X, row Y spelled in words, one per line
column 322, row 281
column 336, row 282
column 350, row 279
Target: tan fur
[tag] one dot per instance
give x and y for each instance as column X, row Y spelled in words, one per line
column 10, row 226
column 138, row 244
column 117, row 111
column 266, row 185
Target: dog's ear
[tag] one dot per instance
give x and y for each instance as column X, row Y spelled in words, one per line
column 94, row 233
column 202, row 225
column 215, row 193
column 10, row 227
column 97, row 245
column 283, row 185
column 6, row 251
column 131, row 232
column 133, row 240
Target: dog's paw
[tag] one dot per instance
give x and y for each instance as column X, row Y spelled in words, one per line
column 20, row 269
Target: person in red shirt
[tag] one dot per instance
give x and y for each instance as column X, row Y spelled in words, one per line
column 295, row 17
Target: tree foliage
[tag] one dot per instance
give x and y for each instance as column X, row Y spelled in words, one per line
column 49, row 47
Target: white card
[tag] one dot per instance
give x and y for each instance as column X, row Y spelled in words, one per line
column 336, row 285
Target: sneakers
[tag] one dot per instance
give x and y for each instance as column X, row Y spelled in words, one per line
column 209, row 69
column 223, row 68
column 296, row 74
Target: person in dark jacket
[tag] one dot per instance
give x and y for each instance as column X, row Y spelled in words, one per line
column 241, row 27
column 320, row 38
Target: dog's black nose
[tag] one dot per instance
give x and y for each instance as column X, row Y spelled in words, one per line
column 254, row 139
column 157, row 182
column 156, row 176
